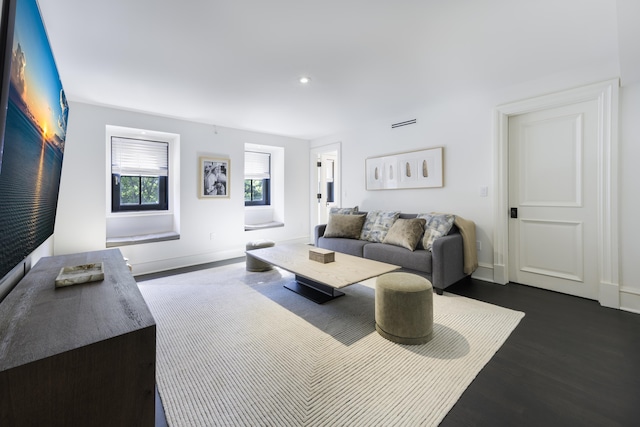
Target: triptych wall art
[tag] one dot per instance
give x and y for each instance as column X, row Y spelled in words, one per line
column 415, row 169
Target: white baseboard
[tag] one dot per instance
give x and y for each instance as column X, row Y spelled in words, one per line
column 484, row 272
column 156, row 266
column 609, row 295
column 500, row 275
column 630, row 300
column 186, row 261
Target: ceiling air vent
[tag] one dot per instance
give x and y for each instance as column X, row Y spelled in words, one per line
column 408, row 122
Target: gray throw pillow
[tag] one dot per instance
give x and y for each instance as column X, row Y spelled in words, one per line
column 377, row 225
column 343, row 211
column 437, row 225
column 406, row 233
column 346, row 226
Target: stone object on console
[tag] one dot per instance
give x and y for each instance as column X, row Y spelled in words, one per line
column 68, row 276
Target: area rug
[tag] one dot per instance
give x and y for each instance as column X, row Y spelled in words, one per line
column 236, row 348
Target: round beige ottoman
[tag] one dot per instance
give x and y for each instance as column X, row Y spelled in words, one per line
column 404, row 308
column 254, row 264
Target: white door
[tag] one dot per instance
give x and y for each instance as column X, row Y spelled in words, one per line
column 553, row 185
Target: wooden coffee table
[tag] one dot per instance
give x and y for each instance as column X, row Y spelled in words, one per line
column 317, row 281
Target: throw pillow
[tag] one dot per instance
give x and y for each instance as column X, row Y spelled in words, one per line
column 343, row 211
column 437, row 225
column 377, row 225
column 406, row 233
column 346, row 226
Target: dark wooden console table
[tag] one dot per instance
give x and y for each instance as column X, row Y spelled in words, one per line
column 79, row 355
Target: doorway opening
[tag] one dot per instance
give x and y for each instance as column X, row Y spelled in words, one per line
column 326, row 186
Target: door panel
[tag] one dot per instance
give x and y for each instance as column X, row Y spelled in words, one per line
column 551, row 162
column 553, row 183
column 564, row 259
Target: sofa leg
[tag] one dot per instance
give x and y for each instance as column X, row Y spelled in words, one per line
column 439, row 291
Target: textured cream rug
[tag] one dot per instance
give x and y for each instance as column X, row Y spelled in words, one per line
column 235, row 348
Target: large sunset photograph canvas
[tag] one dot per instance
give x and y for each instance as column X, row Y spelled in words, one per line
column 34, row 140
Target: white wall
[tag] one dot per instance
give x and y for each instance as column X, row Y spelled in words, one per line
column 463, row 125
column 81, row 216
column 463, row 128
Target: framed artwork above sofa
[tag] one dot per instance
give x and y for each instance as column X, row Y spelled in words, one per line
column 414, row 169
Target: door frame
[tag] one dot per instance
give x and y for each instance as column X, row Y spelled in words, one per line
column 606, row 95
column 314, row 152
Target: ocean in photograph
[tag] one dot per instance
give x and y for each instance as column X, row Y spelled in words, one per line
column 29, row 183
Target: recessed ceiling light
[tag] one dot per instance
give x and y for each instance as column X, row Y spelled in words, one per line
column 304, row 80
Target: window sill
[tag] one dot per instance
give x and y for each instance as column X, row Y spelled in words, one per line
column 262, row 226
column 145, row 238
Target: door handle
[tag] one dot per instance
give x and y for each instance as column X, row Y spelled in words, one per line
column 514, row 212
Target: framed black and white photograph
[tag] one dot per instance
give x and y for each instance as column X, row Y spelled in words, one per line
column 213, row 177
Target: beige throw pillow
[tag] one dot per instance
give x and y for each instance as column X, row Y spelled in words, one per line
column 346, row 226
column 405, row 233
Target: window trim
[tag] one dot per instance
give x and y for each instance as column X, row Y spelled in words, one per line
column 258, row 170
column 163, row 177
column 143, row 226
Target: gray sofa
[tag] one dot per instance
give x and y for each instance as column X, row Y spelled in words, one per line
column 443, row 265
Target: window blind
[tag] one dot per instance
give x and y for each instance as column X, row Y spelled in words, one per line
column 257, row 165
column 137, row 157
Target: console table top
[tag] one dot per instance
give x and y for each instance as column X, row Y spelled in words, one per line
column 37, row 320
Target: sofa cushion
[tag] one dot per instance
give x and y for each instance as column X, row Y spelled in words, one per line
column 377, row 224
column 343, row 211
column 437, row 225
column 346, row 246
column 346, row 226
column 419, row 260
column 406, row 233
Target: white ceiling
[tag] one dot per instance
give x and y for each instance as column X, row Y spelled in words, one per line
column 236, row 63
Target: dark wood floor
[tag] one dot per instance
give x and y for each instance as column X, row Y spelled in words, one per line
column 570, row 362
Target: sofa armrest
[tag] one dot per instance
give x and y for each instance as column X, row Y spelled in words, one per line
column 318, row 232
column 448, row 261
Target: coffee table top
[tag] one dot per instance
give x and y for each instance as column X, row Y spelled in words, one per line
column 344, row 271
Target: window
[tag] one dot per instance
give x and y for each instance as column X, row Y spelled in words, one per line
column 257, row 178
column 139, row 175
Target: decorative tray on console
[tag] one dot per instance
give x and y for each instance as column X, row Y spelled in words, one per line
column 80, row 274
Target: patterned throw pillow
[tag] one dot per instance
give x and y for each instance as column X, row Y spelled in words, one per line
column 405, row 233
column 346, row 226
column 377, row 225
column 343, row 211
column 437, row 225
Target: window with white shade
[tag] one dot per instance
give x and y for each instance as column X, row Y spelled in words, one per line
column 257, row 178
column 139, row 175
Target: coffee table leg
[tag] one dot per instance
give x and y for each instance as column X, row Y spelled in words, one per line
column 315, row 291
